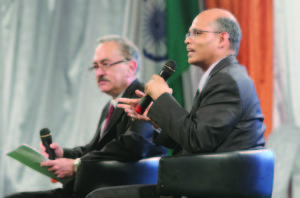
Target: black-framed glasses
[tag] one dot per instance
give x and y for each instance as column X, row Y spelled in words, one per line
column 198, row 32
column 106, row 66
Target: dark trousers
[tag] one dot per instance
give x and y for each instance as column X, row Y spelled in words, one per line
column 130, row 191
column 55, row 193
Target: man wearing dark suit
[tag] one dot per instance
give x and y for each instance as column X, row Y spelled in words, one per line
column 118, row 137
column 226, row 113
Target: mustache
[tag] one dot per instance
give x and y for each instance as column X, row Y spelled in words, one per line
column 102, row 78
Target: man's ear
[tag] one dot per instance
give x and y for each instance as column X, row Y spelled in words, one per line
column 223, row 40
column 133, row 65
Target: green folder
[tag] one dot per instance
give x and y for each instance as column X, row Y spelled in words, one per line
column 31, row 158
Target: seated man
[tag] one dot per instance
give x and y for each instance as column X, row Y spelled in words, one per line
column 226, row 113
column 118, row 137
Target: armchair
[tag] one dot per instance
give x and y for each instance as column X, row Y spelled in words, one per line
column 239, row 174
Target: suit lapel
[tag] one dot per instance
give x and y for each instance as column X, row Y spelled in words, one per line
column 96, row 138
column 113, row 120
column 196, row 103
column 119, row 112
column 230, row 60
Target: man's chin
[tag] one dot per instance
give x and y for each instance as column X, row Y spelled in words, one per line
column 191, row 61
column 103, row 88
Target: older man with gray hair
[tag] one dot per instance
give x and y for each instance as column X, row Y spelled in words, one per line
column 118, row 137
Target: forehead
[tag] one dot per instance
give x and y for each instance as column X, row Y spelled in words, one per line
column 107, row 50
column 201, row 22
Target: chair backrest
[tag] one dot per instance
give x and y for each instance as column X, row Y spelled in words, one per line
column 114, row 173
column 238, row 174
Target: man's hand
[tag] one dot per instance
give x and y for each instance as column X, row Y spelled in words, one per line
column 57, row 150
column 61, row 167
column 156, row 87
column 130, row 104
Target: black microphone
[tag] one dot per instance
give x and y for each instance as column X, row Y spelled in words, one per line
column 47, row 140
column 166, row 71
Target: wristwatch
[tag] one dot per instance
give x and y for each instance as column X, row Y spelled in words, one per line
column 76, row 163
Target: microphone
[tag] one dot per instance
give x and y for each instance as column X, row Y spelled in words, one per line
column 47, row 140
column 166, row 71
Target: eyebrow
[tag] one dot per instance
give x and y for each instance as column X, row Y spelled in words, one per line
column 101, row 61
column 195, row 29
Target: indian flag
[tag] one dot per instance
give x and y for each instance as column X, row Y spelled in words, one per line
column 161, row 27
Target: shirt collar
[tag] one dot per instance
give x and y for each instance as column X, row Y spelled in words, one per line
column 114, row 101
column 206, row 74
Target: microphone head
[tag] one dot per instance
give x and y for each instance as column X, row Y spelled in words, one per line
column 171, row 64
column 46, row 135
column 168, row 69
column 44, row 132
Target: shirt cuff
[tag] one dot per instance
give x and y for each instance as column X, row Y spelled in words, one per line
column 158, row 130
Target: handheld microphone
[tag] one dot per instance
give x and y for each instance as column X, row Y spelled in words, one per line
column 47, row 140
column 166, row 71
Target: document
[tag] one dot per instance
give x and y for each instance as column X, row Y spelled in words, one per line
column 32, row 158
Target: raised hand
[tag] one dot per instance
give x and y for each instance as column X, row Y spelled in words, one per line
column 156, row 87
column 129, row 104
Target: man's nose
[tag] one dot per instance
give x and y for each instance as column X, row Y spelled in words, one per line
column 100, row 71
column 187, row 40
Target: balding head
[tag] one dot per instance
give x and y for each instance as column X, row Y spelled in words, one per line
column 215, row 13
column 214, row 34
column 223, row 21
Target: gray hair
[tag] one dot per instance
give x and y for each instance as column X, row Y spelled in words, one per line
column 128, row 49
column 233, row 29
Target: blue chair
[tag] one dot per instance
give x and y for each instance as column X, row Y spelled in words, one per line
column 239, row 174
column 115, row 173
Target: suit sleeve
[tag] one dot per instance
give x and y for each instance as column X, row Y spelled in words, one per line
column 127, row 141
column 134, row 144
column 209, row 122
column 75, row 152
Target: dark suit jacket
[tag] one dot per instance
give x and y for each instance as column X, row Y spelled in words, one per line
column 123, row 139
column 225, row 116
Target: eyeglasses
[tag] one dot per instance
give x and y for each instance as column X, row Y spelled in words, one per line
column 197, row 33
column 106, row 66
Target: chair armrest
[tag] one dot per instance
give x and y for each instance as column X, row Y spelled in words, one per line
column 241, row 174
column 93, row 175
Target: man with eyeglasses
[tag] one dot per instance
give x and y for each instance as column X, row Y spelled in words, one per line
column 118, row 137
column 226, row 113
